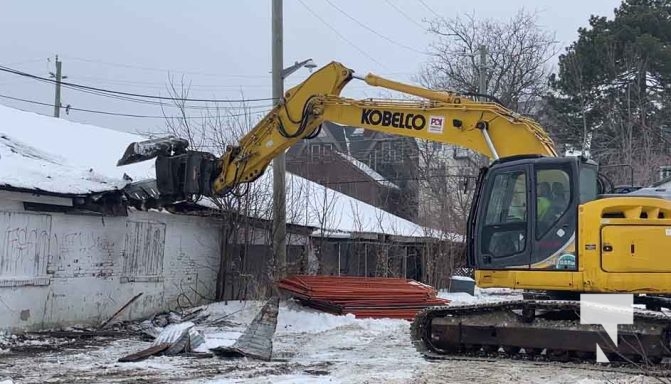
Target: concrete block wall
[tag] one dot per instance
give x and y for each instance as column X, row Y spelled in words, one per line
column 60, row 270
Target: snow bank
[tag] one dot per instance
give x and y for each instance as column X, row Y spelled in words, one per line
column 295, row 319
column 461, row 278
column 487, row 295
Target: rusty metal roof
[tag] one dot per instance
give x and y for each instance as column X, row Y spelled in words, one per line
column 365, row 297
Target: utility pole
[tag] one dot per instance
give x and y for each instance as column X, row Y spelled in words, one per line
column 279, row 165
column 482, row 71
column 57, row 101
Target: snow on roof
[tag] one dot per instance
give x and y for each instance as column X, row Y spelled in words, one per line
column 25, row 167
column 368, row 171
column 313, row 205
column 57, row 155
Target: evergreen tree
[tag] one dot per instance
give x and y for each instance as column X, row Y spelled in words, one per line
column 611, row 93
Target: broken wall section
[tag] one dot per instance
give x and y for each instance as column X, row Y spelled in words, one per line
column 59, row 269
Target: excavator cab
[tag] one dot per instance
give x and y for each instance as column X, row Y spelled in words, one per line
column 524, row 213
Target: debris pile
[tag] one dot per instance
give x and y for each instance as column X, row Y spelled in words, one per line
column 172, row 334
column 257, row 340
column 362, row 296
column 31, row 342
column 172, row 340
column 175, row 334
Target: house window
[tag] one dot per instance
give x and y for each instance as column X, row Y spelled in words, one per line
column 144, row 244
column 664, row 172
column 372, row 160
column 315, row 152
column 466, row 179
column 386, row 152
column 327, row 150
column 398, row 153
column 461, row 153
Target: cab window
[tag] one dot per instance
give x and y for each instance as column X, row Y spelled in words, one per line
column 553, row 194
column 506, row 215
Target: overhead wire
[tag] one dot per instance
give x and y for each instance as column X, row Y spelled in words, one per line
column 316, row 15
column 119, row 113
column 25, row 62
column 163, row 104
column 159, row 103
column 399, row 10
column 429, row 8
column 374, row 31
column 154, row 69
column 162, row 85
column 154, row 97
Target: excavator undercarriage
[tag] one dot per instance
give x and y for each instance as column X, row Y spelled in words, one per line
column 540, row 330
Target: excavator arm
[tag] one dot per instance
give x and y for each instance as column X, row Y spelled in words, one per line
column 445, row 117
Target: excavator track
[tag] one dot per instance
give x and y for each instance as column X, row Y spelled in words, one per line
column 542, row 332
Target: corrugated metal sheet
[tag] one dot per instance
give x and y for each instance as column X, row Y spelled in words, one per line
column 363, row 296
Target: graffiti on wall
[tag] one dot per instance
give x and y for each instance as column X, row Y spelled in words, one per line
column 24, row 244
column 144, row 244
column 83, row 252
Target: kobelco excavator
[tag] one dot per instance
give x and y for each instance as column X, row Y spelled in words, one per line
column 539, row 222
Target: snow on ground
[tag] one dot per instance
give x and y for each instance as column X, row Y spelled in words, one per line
column 309, row 347
column 481, row 295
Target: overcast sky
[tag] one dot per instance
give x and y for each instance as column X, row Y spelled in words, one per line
column 224, row 47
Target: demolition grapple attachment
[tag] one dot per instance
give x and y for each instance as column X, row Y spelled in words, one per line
column 180, row 173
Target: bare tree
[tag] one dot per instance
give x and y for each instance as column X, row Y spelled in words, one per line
column 322, row 204
column 446, row 186
column 217, row 127
column 518, row 52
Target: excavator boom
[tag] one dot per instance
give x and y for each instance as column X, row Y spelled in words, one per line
column 486, row 128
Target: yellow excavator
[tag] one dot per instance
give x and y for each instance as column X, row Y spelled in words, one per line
column 539, row 222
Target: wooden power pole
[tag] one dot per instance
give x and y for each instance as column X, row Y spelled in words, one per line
column 58, row 76
column 279, row 165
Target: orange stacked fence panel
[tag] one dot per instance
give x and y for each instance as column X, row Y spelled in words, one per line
column 365, row 297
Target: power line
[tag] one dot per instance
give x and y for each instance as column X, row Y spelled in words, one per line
column 163, row 104
column 374, row 31
column 340, row 35
column 153, row 69
column 399, row 10
column 24, row 62
column 69, row 108
column 429, row 8
column 162, row 85
column 80, row 87
column 157, row 103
